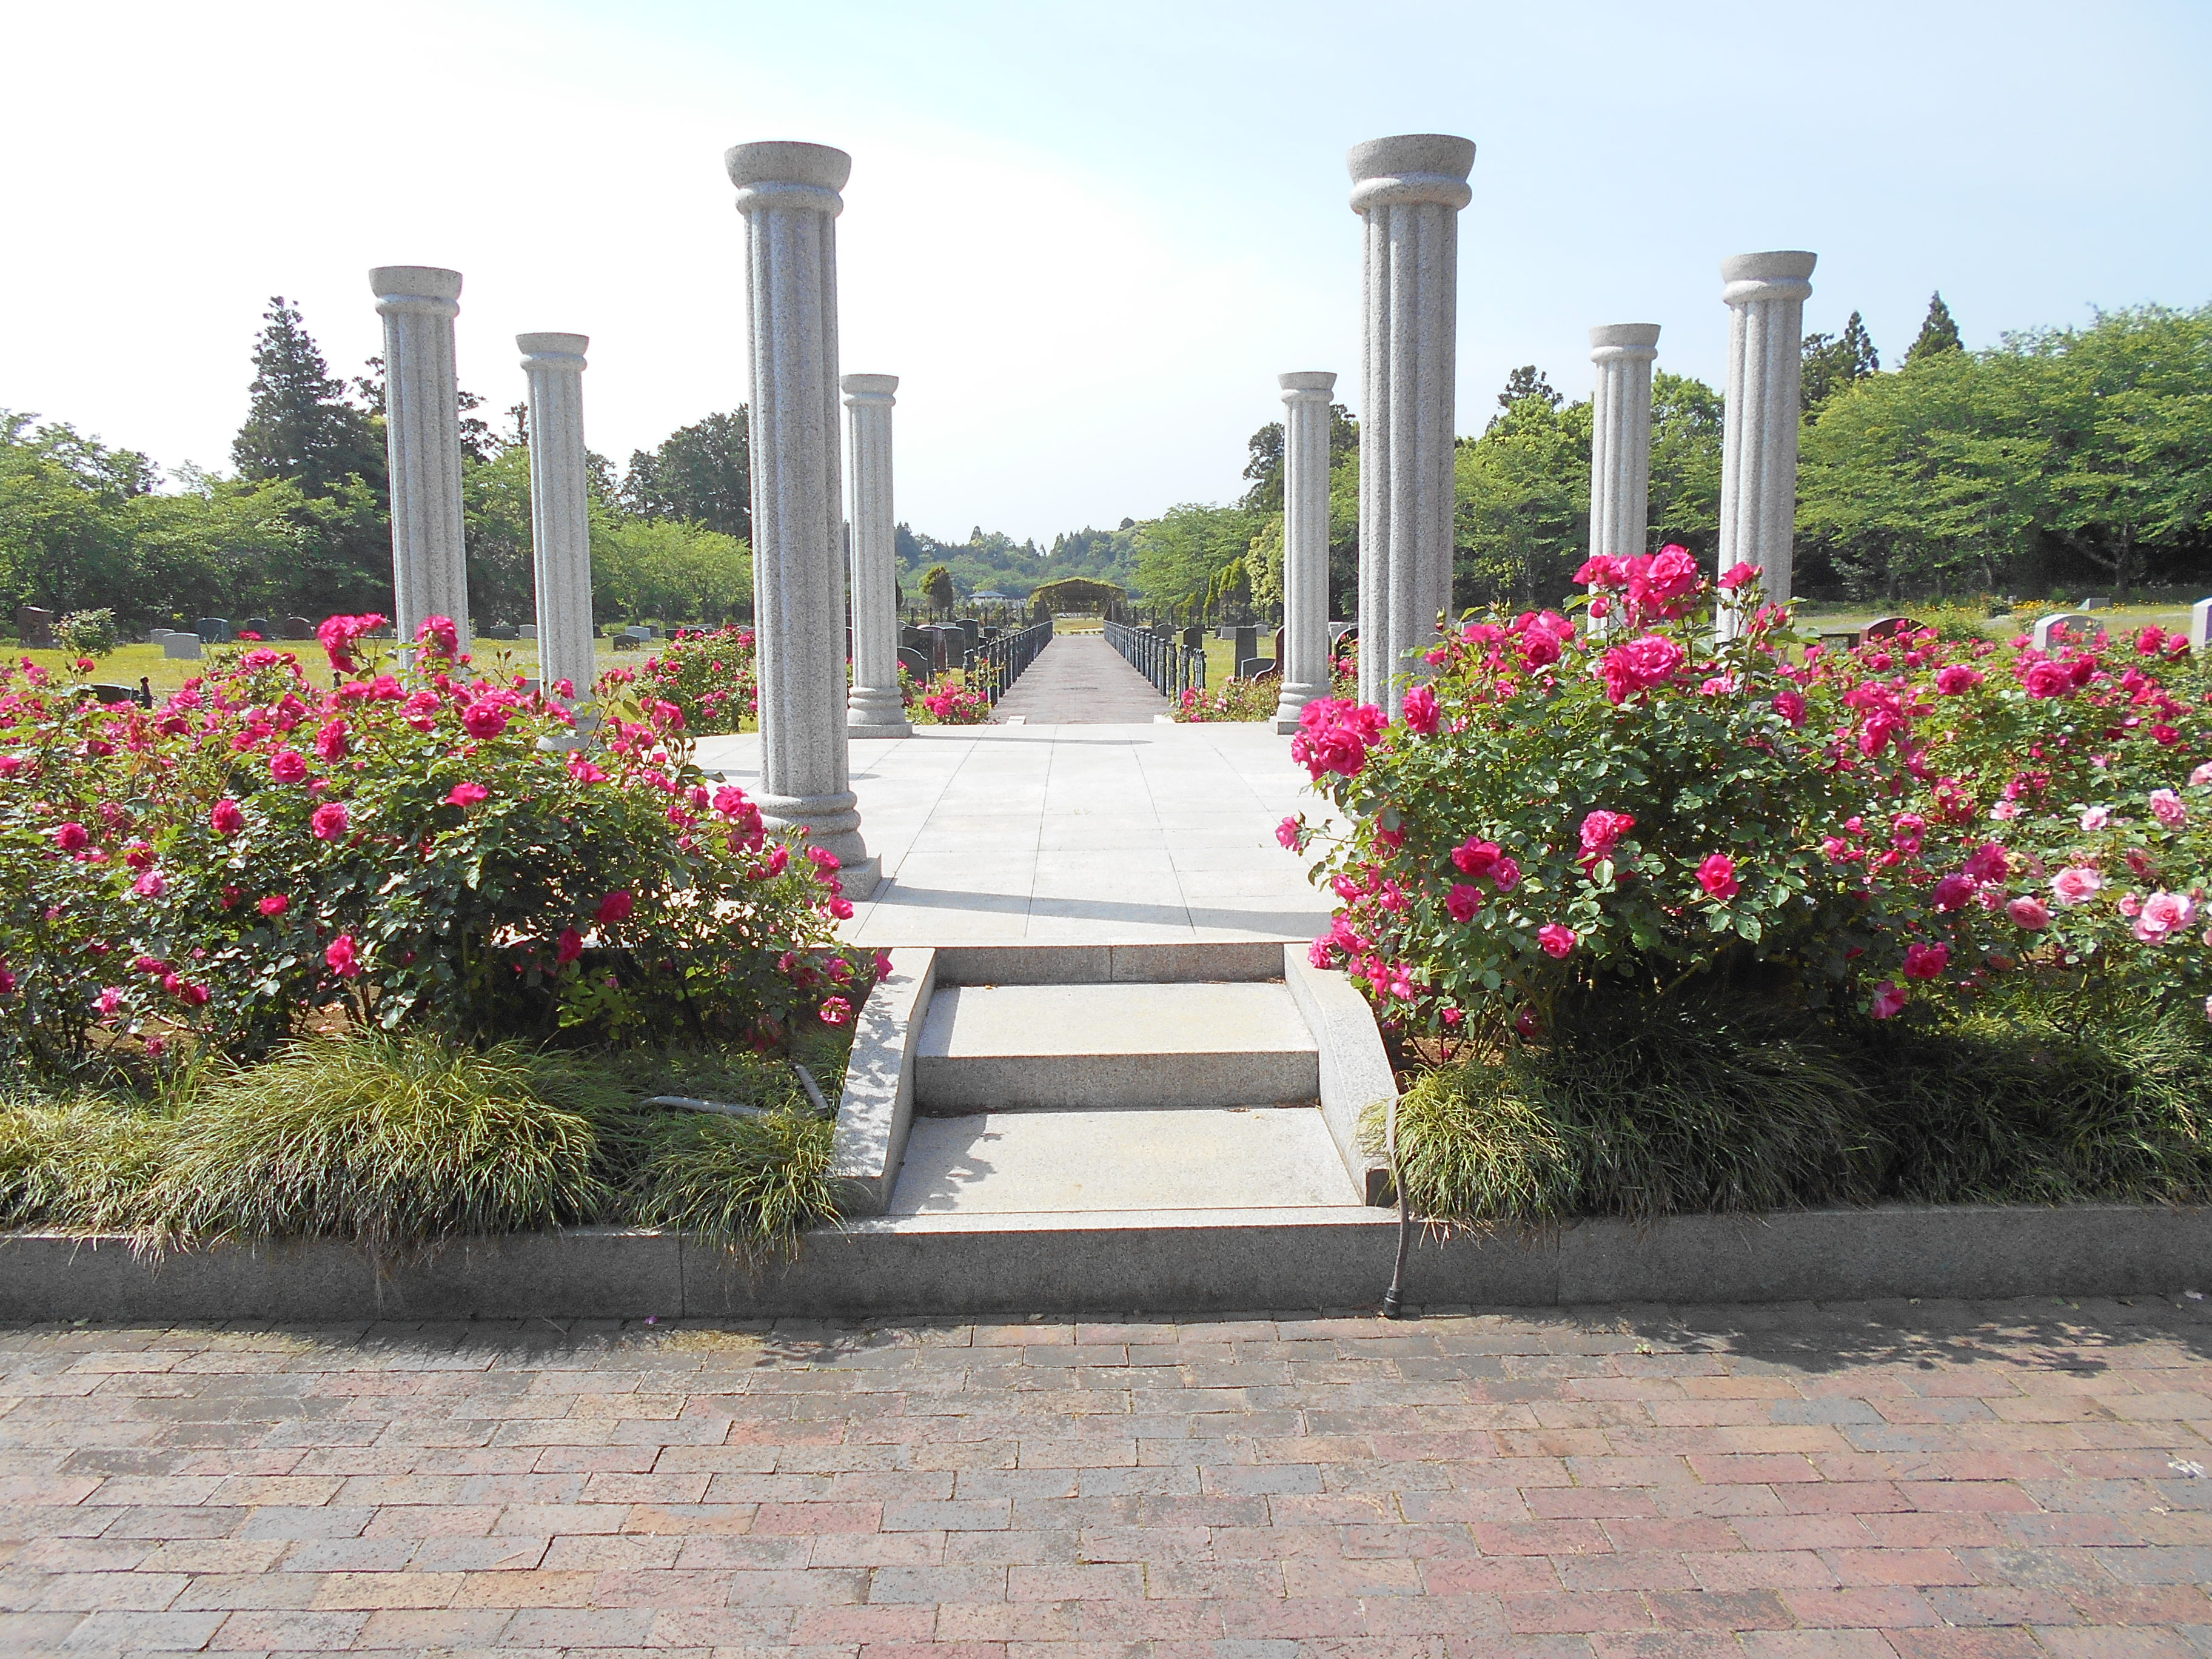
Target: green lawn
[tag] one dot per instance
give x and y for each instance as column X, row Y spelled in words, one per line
column 125, row 666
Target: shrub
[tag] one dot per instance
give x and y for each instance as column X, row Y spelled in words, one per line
column 1561, row 813
column 709, row 675
column 86, row 633
column 222, row 867
column 949, row 704
column 1236, row 700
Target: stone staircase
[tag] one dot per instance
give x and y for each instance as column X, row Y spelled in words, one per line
column 1072, row 1080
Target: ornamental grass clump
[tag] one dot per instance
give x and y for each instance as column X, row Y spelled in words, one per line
column 396, row 1145
column 416, row 849
column 81, row 1162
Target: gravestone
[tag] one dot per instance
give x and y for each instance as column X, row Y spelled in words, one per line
column 1887, row 628
column 1339, row 632
column 528, row 631
column 2079, row 627
column 256, row 625
column 951, row 645
column 1255, row 668
column 1248, row 643
column 916, row 663
column 990, row 634
column 299, row 627
column 2200, row 626
column 973, row 629
column 2096, row 604
column 1281, row 634
column 1193, row 638
column 186, row 647
column 34, row 629
column 499, row 631
column 213, row 630
column 109, row 694
column 916, row 639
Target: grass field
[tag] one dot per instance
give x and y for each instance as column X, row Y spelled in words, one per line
column 125, row 666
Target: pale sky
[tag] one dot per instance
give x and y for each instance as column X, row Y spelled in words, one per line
column 1087, row 238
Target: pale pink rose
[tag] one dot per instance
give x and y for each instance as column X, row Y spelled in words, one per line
column 1889, row 1000
column 2005, row 810
column 2077, row 884
column 2166, row 806
column 2203, row 774
column 2130, row 904
column 2164, row 915
column 2096, row 817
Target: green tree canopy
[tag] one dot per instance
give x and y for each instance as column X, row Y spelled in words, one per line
column 1937, row 334
column 699, row 472
column 300, row 424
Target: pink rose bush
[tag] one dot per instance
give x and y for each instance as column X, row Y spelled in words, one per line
column 1909, row 821
column 710, row 675
column 206, row 874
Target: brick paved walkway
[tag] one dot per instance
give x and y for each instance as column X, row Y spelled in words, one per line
column 1837, row 1483
column 1080, row 680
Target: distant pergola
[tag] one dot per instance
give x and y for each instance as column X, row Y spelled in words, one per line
column 1075, row 593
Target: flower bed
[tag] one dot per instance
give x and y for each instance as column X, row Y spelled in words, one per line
column 1566, row 821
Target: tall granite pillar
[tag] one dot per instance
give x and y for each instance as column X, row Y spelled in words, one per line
column 422, row 440
column 1305, row 543
column 872, row 708
column 1766, row 294
column 788, row 194
column 560, row 509
column 1409, row 190
column 1620, row 436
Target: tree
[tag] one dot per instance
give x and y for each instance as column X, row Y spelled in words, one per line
column 1265, row 468
column 668, row 569
column 1528, row 381
column 936, row 587
column 1180, row 555
column 699, row 472
column 1833, row 361
column 300, row 424
column 1685, row 463
column 1939, row 333
column 1520, row 520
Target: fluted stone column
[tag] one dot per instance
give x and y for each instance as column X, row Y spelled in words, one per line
column 560, row 509
column 422, row 440
column 1620, row 436
column 1305, row 543
column 872, row 708
column 1766, row 294
column 788, row 194
column 1409, row 190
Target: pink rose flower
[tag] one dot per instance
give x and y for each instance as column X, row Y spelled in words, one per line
column 1602, row 571
column 1953, row 892
column 338, row 635
column 1790, row 707
column 1462, row 902
column 150, row 885
column 1602, row 830
column 1639, row 665
column 2202, row 774
column 466, row 794
column 2167, row 807
column 835, row 1011
column 109, row 1000
column 568, row 947
column 1321, row 953
column 1505, row 875
column 1556, row 939
column 1421, row 713
column 1739, row 574
column 2029, row 912
column 1286, row 834
column 329, row 820
column 224, row 818
column 439, row 635
column 1476, row 858
column 483, row 719
column 340, row 957
column 331, row 741
column 2096, row 817
column 275, row 904
column 617, row 906
column 2164, row 915
column 841, row 908
column 1956, row 677
column 1889, row 1000
column 2005, row 810
column 2077, row 884
column 1926, row 961
column 1717, row 875
column 70, row 836
column 1989, row 862
column 287, row 766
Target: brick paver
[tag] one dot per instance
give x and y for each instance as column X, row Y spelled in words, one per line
column 1946, row 1481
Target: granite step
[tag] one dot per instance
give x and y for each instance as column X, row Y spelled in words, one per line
column 1089, row 1047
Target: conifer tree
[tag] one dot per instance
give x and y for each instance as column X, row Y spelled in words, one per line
column 299, row 422
column 1833, row 361
column 1938, row 334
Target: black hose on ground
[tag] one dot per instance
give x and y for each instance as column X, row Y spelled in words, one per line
column 1393, row 1298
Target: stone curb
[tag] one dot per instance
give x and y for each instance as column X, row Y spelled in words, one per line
column 1158, row 1262
column 876, row 1107
column 1355, row 1068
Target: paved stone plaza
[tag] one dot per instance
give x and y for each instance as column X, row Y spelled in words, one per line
column 1071, row 834
column 1954, row 1480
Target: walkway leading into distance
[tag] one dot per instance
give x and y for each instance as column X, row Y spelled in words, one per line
column 1952, row 1481
column 1080, row 680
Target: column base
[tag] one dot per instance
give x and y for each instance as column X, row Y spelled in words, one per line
column 860, row 880
column 896, row 729
column 832, row 823
column 1294, row 698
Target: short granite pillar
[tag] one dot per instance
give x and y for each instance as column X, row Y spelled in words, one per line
column 872, row 708
column 1305, row 666
column 2200, row 626
column 1409, row 190
column 423, row 441
column 1620, row 437
column 1766, row 294
column 560, row 510
column 788, row 194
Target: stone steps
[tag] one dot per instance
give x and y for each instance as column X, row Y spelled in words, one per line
column 1088, row 1047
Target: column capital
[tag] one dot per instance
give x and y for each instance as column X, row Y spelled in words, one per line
column 1411, row 167
column 552, row 350
column 1624, row 342
column 869, row 389
column 784, row 173
column 431, row 288
column 1307, row 386
column 1780, row 275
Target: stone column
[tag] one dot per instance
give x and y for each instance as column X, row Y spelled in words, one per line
column 560, row 510
column 872, row 708
column 1305, row 666
column 1409, row 190
column 1620, row 436
column 1766, row 296
column 788, row 194
column 422, row 440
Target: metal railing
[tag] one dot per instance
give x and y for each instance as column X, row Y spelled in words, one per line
column 1173, row 669
column 995, row 665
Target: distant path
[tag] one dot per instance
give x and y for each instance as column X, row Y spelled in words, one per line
column 1080, row 680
